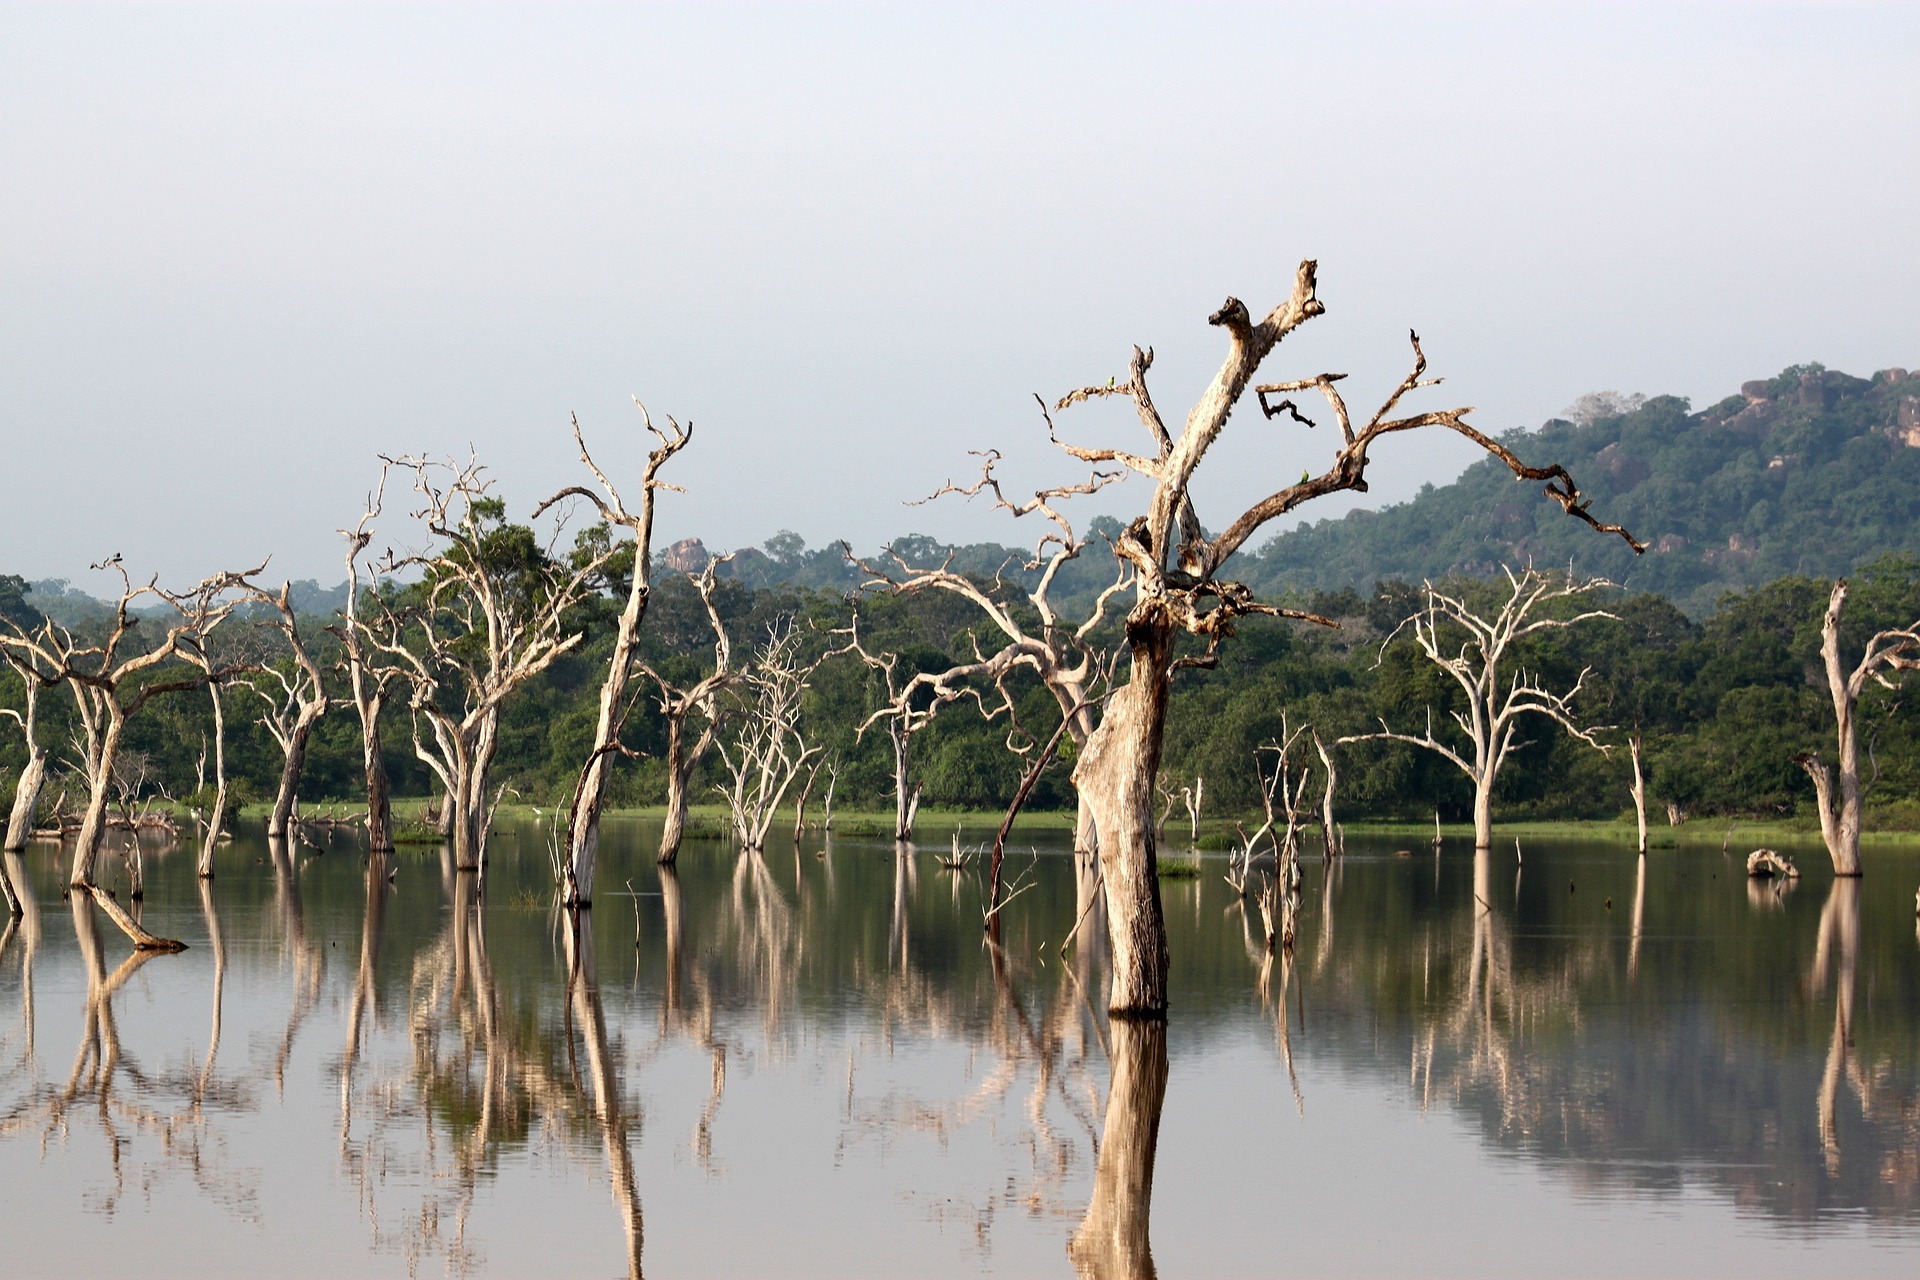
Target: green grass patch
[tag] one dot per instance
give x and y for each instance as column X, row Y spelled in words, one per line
column 1180, row 868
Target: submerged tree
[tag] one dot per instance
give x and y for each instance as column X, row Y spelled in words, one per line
column 1473, row 651
column 1837, row 792
column 766, row 751
column 33, row 775
column 1178, row 590
column 196, row 649
column 1067, row 656
column 488, row 615
column 294, row 703
column 111, row 681
column 589, row 794
column 682, row 708
column 369, row 680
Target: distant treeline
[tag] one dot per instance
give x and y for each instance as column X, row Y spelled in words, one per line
column 1722, row 704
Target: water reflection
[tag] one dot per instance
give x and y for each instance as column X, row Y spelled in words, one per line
column 828, row 1038
column 1112, row 1238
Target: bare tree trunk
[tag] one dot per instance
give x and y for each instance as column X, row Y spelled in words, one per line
column 1482, row 813
column 219, row 814
column 1112, row 1238
column 33, row 776
column 1639, row 790
column 379, row 797
column 680, row 764
column 905, row 804
column 589, row 795
column 287, row 795
column 1329, row 830
column 1838, row 795
column 1115, row 773
column 93, row 823
column 800, row 805
column 26, row 798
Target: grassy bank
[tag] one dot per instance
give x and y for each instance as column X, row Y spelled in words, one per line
column 1895, row 827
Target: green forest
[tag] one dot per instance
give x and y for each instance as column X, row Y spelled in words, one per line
column 1709, row 652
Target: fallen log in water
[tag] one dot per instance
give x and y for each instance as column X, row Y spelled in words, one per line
column 1764, row 864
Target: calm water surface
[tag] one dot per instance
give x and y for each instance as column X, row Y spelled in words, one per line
column 812, row 1063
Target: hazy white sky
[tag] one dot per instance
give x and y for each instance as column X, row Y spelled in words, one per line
column 244, row 248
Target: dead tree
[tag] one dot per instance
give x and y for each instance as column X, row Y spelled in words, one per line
column 111, row 681
column 1065, row 655
column 1638, row 788
column 295, row 702
column 195, row 649
column 1179, row 590
column 589, row 794
column 369, row 680
column 685, row 707
column 1333, row 840
column 489, row 614
column 1496, row 702
column 33, row 775
column 766, row 751
column 905, row 713
column 1283, row 795
column 1837, row 792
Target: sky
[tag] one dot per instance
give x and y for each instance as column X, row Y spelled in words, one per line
column 245, row 249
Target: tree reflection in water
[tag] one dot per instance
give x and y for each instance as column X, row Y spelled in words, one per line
column 153, row 1124
column 482, row 1078
column 1652, row 1034
column 1111, row 1243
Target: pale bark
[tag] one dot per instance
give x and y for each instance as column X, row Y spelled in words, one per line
column 1111, row 1242
column 1066, row 656
column 680, row 707
column 905, row 716
column 1115, row 773
column 1332, row 844
column 33, row 775
column 218, row 817
column 368, row 684
column 1177, row 589
column 1495, row 703
column 109, row 686
column 293, row 710
column 478, row 635
column 589, row 795
column 1837, row 792
column 1639, row 788
column 767, row 752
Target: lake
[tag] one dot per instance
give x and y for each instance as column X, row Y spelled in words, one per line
column 814, row 1063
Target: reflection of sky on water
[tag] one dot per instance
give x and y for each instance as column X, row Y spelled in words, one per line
column 816, row 1066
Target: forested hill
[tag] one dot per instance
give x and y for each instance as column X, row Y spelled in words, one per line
column 1811, row 472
